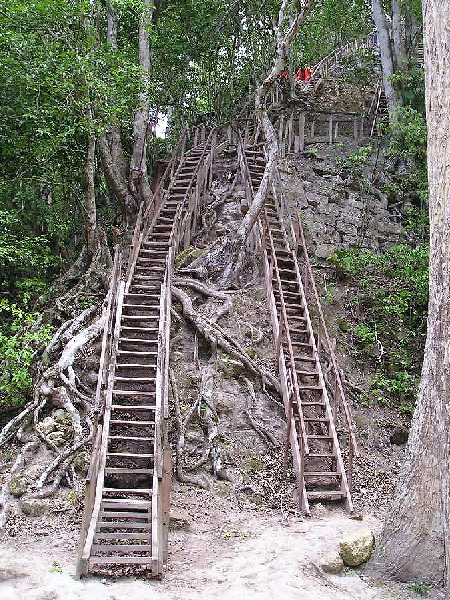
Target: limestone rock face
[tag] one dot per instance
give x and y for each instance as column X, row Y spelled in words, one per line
column 332, row 563
column 356, row 546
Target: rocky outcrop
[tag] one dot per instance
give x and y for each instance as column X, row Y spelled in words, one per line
column 336, row 216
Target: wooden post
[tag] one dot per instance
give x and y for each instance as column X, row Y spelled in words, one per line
column 290, row 131
column 301, row 130
column 280, row 134
column 355, row 128
column 336, row 129
column 313, row 124
column 330, row 129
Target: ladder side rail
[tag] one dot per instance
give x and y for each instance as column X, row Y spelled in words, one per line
column 158, row 449
column 83, row 563
column 105, row 357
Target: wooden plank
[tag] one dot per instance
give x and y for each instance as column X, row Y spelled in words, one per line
column 113, row 514
column 120, row 560
column 121, row 525
column 301, row 131
column 119, row 535
column 121, row 548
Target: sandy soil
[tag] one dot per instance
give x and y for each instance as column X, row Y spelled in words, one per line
column 228, row 552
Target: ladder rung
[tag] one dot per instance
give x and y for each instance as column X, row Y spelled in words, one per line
column 122, row 471
column 133, row 423
column 129, row 455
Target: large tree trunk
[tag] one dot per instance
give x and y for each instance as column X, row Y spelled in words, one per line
column 398, row 37
column 138, row 179
column 415, row 542
column 387, row 61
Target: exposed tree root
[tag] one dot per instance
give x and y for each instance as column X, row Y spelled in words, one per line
column 207, row 291
column 182, row 424
column 216, row 336
column 56, row 387
column 264, row 434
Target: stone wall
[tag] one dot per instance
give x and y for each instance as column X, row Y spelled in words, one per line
column 335, row 214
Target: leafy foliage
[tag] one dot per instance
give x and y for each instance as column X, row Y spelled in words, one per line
column 389, row 300
column 20, row 336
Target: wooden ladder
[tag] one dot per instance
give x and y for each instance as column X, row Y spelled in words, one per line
column 128, row 522
column 311, row 429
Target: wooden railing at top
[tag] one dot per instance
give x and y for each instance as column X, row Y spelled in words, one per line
column 298, row 129
column 339, row 400
column 326, row 65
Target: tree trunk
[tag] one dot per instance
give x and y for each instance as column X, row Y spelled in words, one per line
column 398, row 38
column 387, row 62
column 415, row 542
column 138, row 179
column 91, row 209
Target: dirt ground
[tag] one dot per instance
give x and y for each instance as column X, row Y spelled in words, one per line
column 223, row 550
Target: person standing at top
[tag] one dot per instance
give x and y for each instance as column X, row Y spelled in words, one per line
column 307, row 74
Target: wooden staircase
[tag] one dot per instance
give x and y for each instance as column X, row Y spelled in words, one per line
column 311, row 429
column 126, row 524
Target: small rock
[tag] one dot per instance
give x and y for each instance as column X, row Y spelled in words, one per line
column 7, row 573
column 82, row 462
column 19, row 485
column 331, row 563
column 57, row 437
column 34, row 508
column 47, row 425
column 179, row 519
column 356, row 546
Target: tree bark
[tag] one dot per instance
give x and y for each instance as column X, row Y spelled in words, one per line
column 387, row 61
column 91, row 209
column 138, row 178
column 415, row 542
column 398, row 37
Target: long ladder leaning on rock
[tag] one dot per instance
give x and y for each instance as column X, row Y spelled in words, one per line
column 125, row 522
column 311, row 415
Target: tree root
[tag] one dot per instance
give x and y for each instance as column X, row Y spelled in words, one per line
column 216, row 336
column 207, row 291
column 264, row 434
column 182, row 425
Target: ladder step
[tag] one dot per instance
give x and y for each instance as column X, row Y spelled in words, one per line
column 319, row 437
column 126, row 503
column 122, row 471
column 113, row 514
column 120, row 560
column 127, row 490
column 136, row 352
column 308, row 387
column 133, row 393
column 321, row 474
column 133, row 366
column 135, row 379
column 324, row 495
column 133, row 423
column 132, row 407
column 128, row 455
column 316, row 420
column 321, row 456
column 122, row 536
column 121, row 548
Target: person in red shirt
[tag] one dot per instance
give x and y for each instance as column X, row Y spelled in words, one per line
column 307, row 74
column 300, row 74
column 284, row 75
